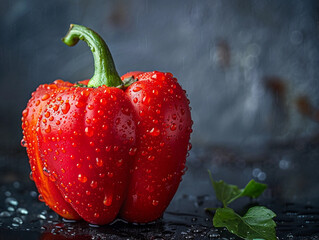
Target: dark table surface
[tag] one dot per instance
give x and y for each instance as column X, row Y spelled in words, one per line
column 289, row 169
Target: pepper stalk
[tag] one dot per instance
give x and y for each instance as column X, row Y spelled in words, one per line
column 104, row 69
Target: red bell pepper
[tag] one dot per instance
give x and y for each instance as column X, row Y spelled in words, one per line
column 107, row 147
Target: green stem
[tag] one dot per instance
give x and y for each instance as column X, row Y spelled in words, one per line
column 105, row 72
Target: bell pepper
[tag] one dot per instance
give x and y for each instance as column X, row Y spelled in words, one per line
column 107, row 147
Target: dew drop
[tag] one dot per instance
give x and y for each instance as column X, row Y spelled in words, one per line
column 155, row 202
column 22, row 211
column 150, row 158
column 103, row 101
column 23, row 143
column 189, row 146
column 108, row 148
column 155, row 132
column 31, row 176
column 119, row 162
column 40, row 197
column 17, row 220
column 99, row 162
column 132, row 151
column 48, row 129
column 25, row 113
column 142, row 113
column 12, row 201
column 96, row 215
column 136, row 89
column 79, row 104
column 146, row 100
column 89, row 131
column 65, row 108
column 41, row 216
column 108, row 200
column 5, row 214
column 45, row 97
column 93, row 184
column 82, row 178
column 173, row 127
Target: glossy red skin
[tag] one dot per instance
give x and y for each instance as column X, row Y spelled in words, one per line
column 163, row 130
column 108, row 152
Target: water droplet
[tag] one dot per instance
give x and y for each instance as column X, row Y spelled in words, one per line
column 82, row 178
column 48, row 129
column 46, row 172
column 136, row 89
column 99, row 162
column 150, row 158
column 23, row 143
column 108, row 200
column 119, row 162
column 146, row 100
column 284, row 164
column 41, row 216
column 173, row 127
column 7, row 193
column 22, row 211
column 135, row 100
column 132, row 151
column 5, row 214
column 155, row 132
column 12, row 201
column 17, row 220
column 56, row 107
column 96, row 215
column 65, row 107
column 79, row 104
column 40, row 197
column 45, row 97
column 89, row 131
column 103, row 101
column 25, row 113
column 93, row 184
column 155, row 202
column 189, row 146
column 142, row 113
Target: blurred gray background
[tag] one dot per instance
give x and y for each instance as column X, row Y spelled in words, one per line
column 250, row 68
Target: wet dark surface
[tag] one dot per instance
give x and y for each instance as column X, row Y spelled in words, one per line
column 290, row 170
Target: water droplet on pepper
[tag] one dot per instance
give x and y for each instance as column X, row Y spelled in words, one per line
column 82, row 178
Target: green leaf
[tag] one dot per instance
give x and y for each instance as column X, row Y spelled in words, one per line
column 257, row 223
column 253, row 189
column 227, row 193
